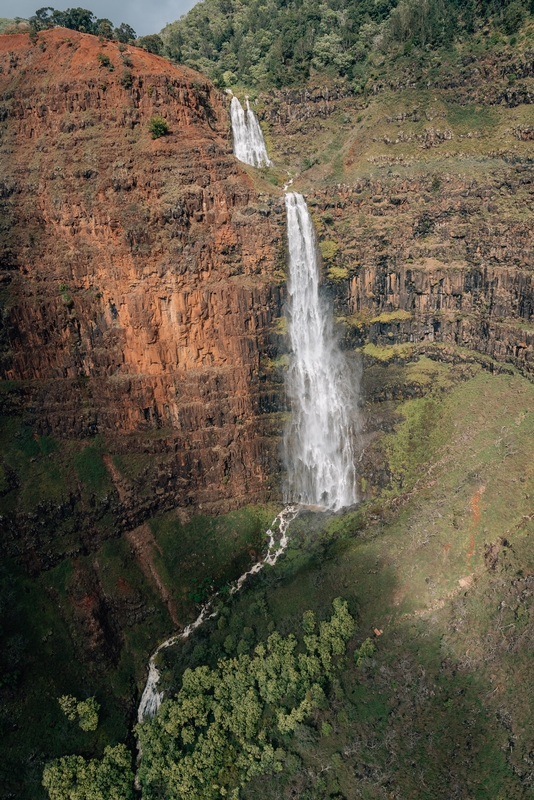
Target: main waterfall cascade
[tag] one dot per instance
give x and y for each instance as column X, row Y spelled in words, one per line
column 249, row 144
column 318, row 441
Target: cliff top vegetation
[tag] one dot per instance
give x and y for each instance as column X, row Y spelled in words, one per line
column 278, row 43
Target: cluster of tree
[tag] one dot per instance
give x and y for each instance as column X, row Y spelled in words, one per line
column 279, row 42
column 224, row 726
column 107, row 778
column 81, row 19
column 85, row 711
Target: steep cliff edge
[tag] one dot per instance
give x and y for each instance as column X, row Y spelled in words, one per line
column 136, row 281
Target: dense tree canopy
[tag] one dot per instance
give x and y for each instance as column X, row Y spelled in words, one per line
column 226, row 725
column 108, row 778
column 280, row 42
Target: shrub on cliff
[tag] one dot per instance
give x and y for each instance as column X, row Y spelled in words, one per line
column 105, row 61
column 158, row 127
column 126, row 79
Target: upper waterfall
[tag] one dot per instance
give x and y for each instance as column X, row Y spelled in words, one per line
column 318, row 440
column 249, row 144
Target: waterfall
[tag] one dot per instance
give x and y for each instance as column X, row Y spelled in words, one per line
column 249, row 144
column 318, row 441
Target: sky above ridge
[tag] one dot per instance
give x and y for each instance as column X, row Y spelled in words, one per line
column 144, row 17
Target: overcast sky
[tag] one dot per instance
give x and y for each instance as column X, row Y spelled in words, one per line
column 145, row 16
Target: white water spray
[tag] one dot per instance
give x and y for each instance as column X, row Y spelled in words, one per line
column 249, row 144
column 318, row 441
column 152, row 697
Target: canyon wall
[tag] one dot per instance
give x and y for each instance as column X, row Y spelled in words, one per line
column 422, row 194
column 137, row 295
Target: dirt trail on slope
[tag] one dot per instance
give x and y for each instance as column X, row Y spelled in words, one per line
column 142, row 542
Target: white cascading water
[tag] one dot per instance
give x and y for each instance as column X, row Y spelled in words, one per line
column 318, row 440
column 249, row 144
column 152, row 697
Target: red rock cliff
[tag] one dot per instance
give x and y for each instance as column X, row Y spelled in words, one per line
column 136, row 273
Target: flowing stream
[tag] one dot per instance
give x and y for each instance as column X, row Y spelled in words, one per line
column 249, row 144
column 152, row 697
column 318, row 441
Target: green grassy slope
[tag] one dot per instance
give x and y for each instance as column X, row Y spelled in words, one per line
column 438, row 572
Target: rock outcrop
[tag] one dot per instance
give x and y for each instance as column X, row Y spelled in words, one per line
column 456, row 262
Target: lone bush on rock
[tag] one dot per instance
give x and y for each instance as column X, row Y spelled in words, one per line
column 158, row 127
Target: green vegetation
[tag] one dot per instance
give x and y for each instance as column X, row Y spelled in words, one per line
column 92, row 470
column 283, row 43
column 105, row 61
column 227, row 725
column 110, row 778
column 387, row 353
column 203, row 555
column 84, row 627
column 329, row 249
column 86, row 711
column 158, row 127
column 338, row 274
column 153, row 43
column 81, row 19
column 126, row 79
column 8, row 24
column 424, row 566
column 398, row 315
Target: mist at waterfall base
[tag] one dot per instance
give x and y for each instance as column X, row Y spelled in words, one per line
column 321, row 387
column 249, row 144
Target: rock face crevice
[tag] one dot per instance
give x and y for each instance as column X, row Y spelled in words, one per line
column 135, row 273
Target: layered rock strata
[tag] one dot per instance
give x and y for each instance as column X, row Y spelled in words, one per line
column 135, row 272
column 456, row 261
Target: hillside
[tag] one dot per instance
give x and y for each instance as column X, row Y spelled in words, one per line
column 143, row 352
column 280, row 44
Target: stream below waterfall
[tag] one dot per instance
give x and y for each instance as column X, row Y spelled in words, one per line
column 152, row 697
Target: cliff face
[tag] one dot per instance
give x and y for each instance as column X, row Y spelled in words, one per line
column 423, row 203
column 135, row 273
column 456, row 265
